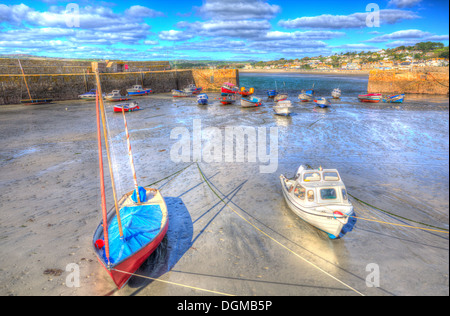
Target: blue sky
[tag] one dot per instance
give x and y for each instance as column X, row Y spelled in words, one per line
column 215, row 29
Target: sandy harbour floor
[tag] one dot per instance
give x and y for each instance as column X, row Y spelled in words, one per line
column 392, row 157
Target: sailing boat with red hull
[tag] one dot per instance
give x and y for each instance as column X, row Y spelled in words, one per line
column 137, row 223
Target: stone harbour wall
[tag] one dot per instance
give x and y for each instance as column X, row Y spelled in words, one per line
column 60, row 87
column 424, row 81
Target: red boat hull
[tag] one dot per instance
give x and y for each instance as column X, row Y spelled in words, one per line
column 225, row 90
column 369, row 101
column 130, row 265
column 119, row 109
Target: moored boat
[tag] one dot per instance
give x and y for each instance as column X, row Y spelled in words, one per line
column 272, row 93
column 336, row 93
column 192, row 89
column 127, row 107
column 322, row 102
column 137, row 223
column 181, row 94
column 283, row 107
column 320, row 198
column 115, row 96
column 138, row 90
column 227, row 99
column 394, row 98
column 246, row 93
column 229, row 87
column 304, row 97
column 35, row 101
column 280, row 97
column 89, row 95
column 250, row 102
column 202, row 99
column 371, row 97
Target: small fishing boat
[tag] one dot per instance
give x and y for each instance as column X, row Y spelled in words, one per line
column 202, row 99
column 306, row 95
column 371, row 98
column 283, row 107
column 394, row 98
column 272, row 93
column 127, row 107
column 89, row 95
column 35, row 101
column 138, row 90
column 336, row 93
column 322, row 102
column 280, row 97
column 181, row 94
column 227, row 99
column 320, row 198
column 115, row 96
column 250, row 102
column 192, row 89
column 229, row 87
column 246, row 93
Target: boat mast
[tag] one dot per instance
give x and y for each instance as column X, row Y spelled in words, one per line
column 130, row 155
column 24, row 79
column 105, row 135
column 102, row 181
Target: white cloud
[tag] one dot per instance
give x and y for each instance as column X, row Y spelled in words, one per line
column 355, row 20
column 404, row 3
column 409, row 36
column 174, row 35
column 238, row 10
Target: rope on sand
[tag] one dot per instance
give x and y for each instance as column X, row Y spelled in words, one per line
column 273, row 239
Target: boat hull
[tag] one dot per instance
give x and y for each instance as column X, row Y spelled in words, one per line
column 122, row 271
column 138, row 93
column 327, row 223
column 249, row 103
column 118, row 109
column 36, row 101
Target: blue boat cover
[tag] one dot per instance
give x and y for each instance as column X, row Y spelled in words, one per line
column 140, row 225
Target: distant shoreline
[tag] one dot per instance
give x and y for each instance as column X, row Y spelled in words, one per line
column 361, row 73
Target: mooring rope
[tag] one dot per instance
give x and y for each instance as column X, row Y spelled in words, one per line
column 438, row 229
column 273, row 239
column 174, row 283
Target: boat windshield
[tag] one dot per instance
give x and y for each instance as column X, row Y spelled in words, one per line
column 328, row 194
column 311, row 176
column 331, row 176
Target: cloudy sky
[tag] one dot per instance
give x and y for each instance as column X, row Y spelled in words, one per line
column 216, row 29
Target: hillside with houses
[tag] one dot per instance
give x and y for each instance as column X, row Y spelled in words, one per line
column 424, row 54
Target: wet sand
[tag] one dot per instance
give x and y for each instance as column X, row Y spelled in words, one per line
column 393, row 157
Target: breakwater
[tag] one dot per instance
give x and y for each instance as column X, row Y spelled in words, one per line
column 69, row 86
column 423, row 81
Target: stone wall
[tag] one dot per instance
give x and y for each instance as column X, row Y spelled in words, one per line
column 64, row 66
column 68, row 86
column 212, row 79
column 424, row 81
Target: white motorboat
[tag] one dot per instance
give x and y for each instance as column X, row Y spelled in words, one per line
column 322, row 102
column 336, row 93
column 320, row 198
column 283, row 107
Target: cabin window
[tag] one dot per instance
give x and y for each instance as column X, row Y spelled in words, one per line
column 328, row 194
column 344, row 194
column 331, row 176
column 311, row 176
column 311, row 196
column 300, row 192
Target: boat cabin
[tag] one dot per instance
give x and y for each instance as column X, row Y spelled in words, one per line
column 137, row 87
column 319, row 186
